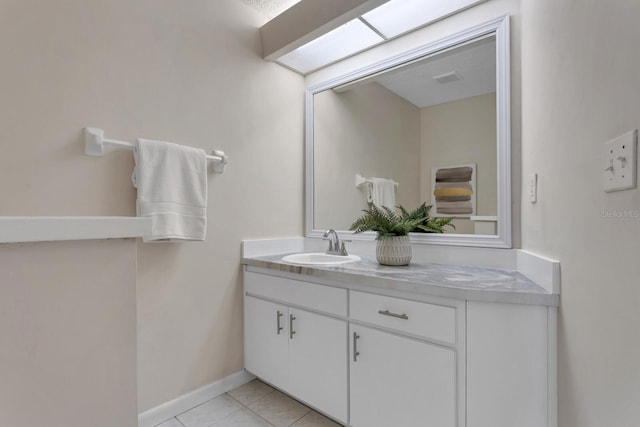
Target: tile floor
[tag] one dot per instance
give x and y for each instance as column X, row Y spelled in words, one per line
column 254, row 404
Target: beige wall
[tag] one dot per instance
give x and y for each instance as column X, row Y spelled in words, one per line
column 580, row 89
column 192, row 74
column 188, row 73
column 462, row 132
column 68, row 334
column 370, row 131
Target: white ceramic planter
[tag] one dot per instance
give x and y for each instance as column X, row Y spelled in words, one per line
column 394, row 250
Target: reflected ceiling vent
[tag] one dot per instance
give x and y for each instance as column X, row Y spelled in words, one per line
column 451, row 76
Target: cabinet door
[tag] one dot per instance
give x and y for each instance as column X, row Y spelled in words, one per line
column 318, row 361
column 398, row 381
column 265, row 340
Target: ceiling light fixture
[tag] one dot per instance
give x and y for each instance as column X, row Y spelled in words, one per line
column 350, row 38
column 312, row 35
column 397, row 17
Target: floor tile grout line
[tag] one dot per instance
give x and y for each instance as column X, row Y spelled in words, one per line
column 200, row 404
column 252, row 411
column 228, row 416
column 261, row 397
column 273, row 389
column 246, row 406
column 261, row 417
column 213, row 398
column 172, row 418
column 304, row 415
column 309, row 410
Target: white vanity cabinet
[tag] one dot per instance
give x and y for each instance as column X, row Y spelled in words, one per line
column 399, row 381
column 403, row 361
column 370, row 356
column 296, row 340
column 266, row 351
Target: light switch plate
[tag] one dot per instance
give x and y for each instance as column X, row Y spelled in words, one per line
column 619, row 162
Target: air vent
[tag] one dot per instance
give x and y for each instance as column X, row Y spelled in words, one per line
column 449, row 77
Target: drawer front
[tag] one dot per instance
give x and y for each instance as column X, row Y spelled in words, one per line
column 309, row 295
column 431, row 321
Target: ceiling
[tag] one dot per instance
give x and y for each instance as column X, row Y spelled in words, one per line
column 474, row 63
column 270, row 8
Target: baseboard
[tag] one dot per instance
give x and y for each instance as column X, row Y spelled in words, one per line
column 168, row 410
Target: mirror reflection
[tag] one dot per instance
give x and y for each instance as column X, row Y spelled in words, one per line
column 422, row 131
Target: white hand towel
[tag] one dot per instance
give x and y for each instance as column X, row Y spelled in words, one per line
column 172, row 190
column 382, row 192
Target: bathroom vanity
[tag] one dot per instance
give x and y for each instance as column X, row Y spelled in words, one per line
column 423, row 345
column 427, row 344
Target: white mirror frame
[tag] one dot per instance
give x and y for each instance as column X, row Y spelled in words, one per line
column 498, row 27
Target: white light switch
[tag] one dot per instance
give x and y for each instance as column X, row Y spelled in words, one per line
column 619, row 162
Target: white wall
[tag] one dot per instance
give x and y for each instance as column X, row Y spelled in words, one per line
column 581, row 88
column 370, row 131
column 68, row 334
column 163, row 69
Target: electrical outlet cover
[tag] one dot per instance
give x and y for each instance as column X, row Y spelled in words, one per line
column 619, row 162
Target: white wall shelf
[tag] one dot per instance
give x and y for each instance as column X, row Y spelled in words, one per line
column 46, row 229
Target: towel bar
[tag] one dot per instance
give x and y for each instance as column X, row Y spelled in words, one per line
column 361, row 180
column 94, row 142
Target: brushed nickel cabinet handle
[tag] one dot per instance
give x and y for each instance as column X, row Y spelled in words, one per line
column 388, row 313
column 356, row 353
column 279, row 327
column 291, row 331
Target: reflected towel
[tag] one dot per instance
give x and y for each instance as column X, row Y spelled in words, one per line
column 459, row 174
column 382, row 192
column 172, row 190
column 452, row 192
column 453, row 199
column 455, row 208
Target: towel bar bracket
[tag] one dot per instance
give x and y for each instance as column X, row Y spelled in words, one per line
column 219, row 166
column 93, row 140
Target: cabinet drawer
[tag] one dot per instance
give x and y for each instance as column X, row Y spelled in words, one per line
column 427, row 320
column 317, row 297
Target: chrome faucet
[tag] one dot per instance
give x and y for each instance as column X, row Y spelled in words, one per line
column 335, row 248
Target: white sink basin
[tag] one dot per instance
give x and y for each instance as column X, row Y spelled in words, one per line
column 319, row 258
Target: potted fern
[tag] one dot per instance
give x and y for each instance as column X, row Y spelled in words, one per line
column 428, row 224
column 393, row 246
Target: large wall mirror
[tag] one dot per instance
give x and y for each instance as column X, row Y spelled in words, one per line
column 429, row 125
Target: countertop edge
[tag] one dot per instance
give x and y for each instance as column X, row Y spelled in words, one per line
column 407, row 287
column 48, row 229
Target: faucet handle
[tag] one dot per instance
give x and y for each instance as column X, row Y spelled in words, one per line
column 343, row 249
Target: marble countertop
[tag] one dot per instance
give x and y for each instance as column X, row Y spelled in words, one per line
column 461, row 282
